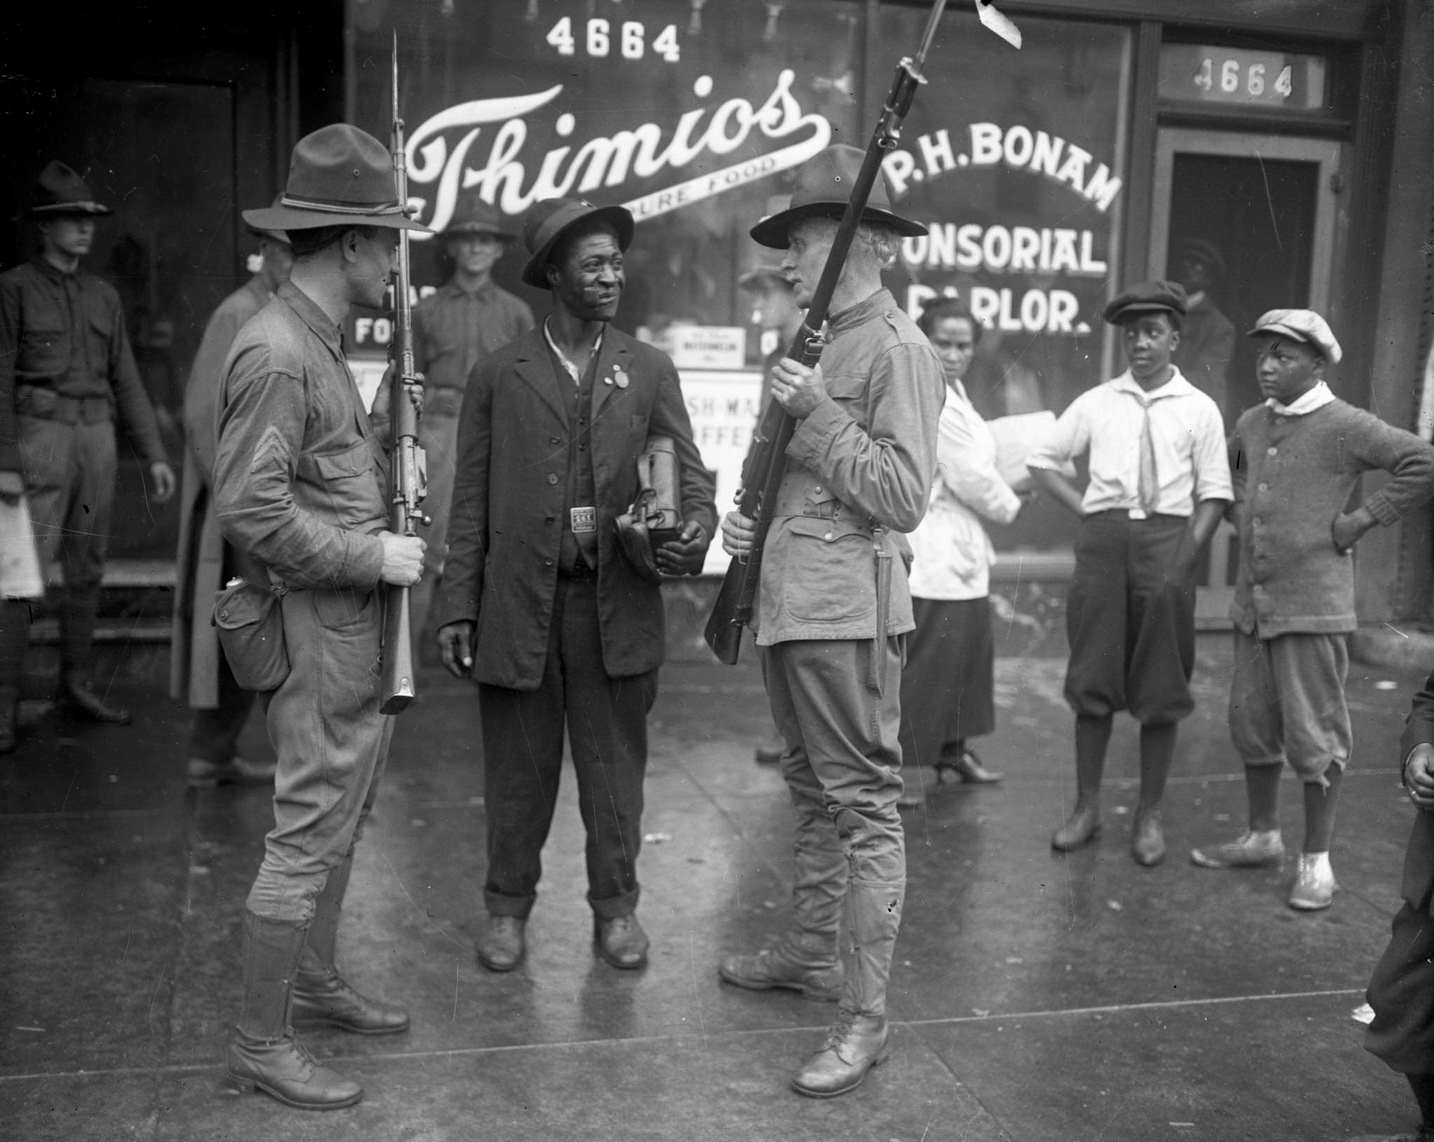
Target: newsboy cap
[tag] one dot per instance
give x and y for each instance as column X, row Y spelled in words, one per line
column 338, row 176
column 1301, row 325
column 550, row 218
column 823, row 190
column 475, row 216
column 1147, row 297
column 60, row 190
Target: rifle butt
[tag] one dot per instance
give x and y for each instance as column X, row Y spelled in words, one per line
column 725, row 624
column 398, row 688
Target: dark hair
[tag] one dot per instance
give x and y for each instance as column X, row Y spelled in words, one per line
column 936, row 308
column 307, row 243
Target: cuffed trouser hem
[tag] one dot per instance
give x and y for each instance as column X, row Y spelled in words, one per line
column 612, row 907
column 497, row 904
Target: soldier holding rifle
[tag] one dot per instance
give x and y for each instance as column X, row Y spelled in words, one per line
column 832, row 606
column 300, row 487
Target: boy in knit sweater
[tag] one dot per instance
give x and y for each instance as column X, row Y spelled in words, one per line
column 1295, row 461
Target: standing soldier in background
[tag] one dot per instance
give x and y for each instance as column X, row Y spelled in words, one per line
column 542, row 604
column 198, row 672
column 453, row 330
column 833, row 605
column 65, row 369
column 301, row 490
column 1207, row 336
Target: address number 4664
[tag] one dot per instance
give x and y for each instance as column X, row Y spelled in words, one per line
column 602, row 38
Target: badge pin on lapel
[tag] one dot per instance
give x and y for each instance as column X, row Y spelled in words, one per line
column 619, row 378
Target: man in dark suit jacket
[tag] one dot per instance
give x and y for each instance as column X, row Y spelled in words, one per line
column 539, row 602
column 1402, row 989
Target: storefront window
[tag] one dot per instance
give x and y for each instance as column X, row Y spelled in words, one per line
column 696, row 115
column 1015, row 161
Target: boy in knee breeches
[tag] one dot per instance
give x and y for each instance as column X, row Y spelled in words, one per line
column 1296, row 459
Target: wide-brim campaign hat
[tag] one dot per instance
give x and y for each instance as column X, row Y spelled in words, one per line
column 1198, row 249
column 338, row 176
column 1301, row 325
column 550, row 218
column 823, row 189
column 475, row 216
column 60, row 190
column 272, row 235
column 1147, row 297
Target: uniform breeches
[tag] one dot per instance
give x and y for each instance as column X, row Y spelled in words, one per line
column 331, row 744
column 69, row 474
column 843, row 760
column 606, row 720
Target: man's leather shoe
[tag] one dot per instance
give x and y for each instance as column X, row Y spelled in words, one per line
column 503, row 946
column 770, row 969
column 202, row 772
column 770, row 753
column 79, row 698
column 326, row 997
column 1148, row 843
column 621, row 942
column 855, row 1045
column 284, row 1069
column 1080, row 829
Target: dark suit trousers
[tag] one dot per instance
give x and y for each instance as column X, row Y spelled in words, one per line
column 606, row 721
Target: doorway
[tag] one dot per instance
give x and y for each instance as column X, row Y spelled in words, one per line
column 1259, row 210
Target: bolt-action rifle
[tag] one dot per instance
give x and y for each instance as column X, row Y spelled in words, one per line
column 766, row 462
column 409, row 479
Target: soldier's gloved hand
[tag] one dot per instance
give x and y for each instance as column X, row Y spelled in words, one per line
column 1419, row 776
column 738, row 532
column 685, row 554
column 161, row 475
column 455, row 647
column 402, row 558
column 12, row 486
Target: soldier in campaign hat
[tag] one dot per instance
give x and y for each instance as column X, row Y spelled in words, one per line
column 541, row 602
column 1207, row 336
column 1159, row 483
column 66, row 371
column 301, row 491
column 198, row 673
column 462, row 323
column 833, row 606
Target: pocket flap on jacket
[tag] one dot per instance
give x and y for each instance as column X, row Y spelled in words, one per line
column 851, row 386
column 827, row 530
column 355, row 461
column 241, row 605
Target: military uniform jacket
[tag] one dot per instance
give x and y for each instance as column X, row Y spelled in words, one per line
column 862, row 459
column 64, row 335
column 299, row 477
column 506, row 527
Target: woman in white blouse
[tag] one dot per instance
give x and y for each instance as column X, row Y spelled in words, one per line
column 947, row 690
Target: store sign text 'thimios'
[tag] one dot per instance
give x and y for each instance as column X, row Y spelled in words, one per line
column 508, row 179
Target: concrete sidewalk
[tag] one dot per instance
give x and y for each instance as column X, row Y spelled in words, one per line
column 1037, row 996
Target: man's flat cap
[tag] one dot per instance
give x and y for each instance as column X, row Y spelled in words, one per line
column 1147, row 297
column 1301, row 325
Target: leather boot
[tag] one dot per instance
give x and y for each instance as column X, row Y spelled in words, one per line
column 9, row 718
column 321, row 995
column 858, row 1040
column 78, row 698
column 798, row 963
column 263, row 1053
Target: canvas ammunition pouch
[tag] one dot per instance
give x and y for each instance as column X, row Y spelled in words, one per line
column 250, row 622
column 655, row 516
